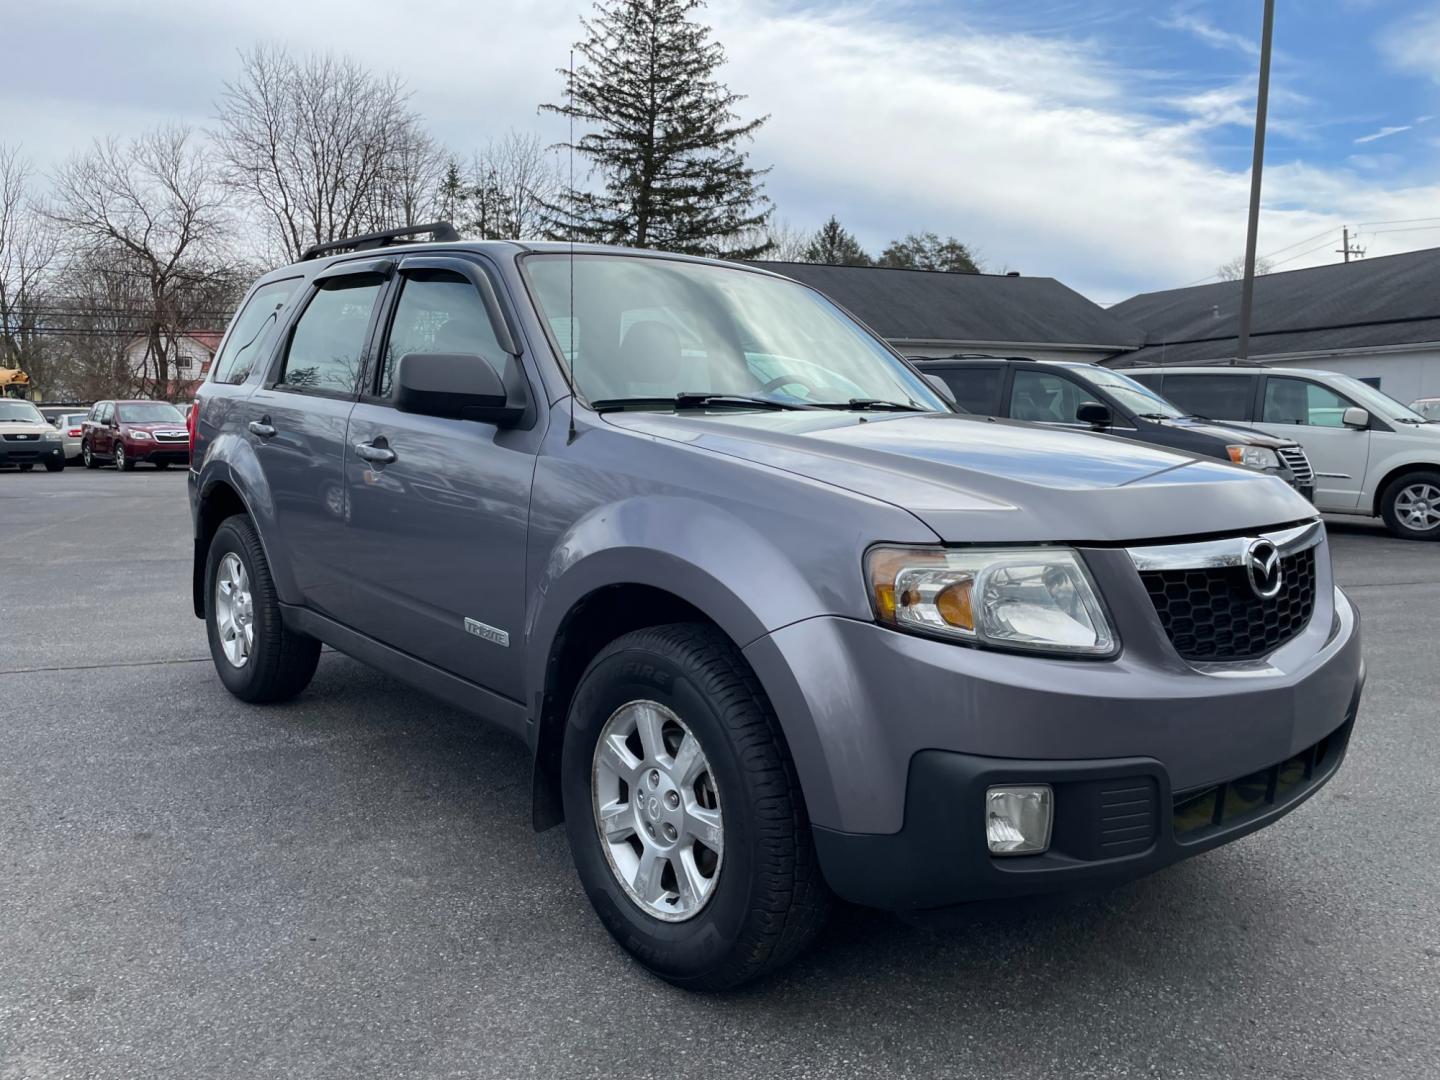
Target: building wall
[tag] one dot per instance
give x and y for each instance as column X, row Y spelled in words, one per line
column 1404, row 375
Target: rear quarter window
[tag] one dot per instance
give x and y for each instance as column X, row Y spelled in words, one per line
column 252, row 329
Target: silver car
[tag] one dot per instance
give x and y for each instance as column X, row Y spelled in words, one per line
column 69, row 426
column 774, row 622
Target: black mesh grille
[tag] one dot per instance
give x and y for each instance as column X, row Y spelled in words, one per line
column 1213, row 614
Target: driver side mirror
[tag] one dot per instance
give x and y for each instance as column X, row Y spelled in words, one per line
column 1093, row 413
column 1355, row 417
column 457, row 386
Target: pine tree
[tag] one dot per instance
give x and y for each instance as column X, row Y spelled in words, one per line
column 665, row 140
column 450, row 196
column 831, row 244
column 926, row 251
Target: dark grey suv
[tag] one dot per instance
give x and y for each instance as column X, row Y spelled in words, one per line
column 776, row 624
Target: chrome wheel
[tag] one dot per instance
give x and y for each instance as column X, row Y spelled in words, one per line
column 119, row 456
column 657, row 811
column 85, row 454
column 234, row 610
column 1418, row 507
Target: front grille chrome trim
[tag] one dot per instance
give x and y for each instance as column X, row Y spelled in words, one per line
column 1231, row 551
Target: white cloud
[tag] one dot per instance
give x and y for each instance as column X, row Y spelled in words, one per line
column 1384, row 133
column 1209, row 33
column 1046, row 154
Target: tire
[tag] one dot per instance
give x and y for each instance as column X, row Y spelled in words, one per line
column 55, row 466
column 25, row 468
column 1410, row 505
column 279, row 662
column 89, row 459
column 162, row 465
column 123, row 461
column 766, row 899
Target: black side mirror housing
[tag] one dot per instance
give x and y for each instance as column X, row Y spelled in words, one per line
column 457, row 386
column 1093, row 413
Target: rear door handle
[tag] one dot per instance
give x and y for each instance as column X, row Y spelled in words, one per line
column 262, row 429
column 378, row 455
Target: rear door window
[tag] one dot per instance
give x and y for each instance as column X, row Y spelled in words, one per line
column 976, row 388
column 1216, row 397
column 251, row 331
column 328, row 344
column 1300, row 401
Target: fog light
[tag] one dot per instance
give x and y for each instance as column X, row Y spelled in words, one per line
column 1017, row 819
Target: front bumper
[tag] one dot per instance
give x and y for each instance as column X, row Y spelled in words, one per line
column 156, row 452
column 1115, row 820
column 30, row 451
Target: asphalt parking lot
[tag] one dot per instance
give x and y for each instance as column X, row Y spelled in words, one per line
column 348, row 885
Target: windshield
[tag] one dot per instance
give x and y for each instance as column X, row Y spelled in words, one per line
column 1135, row 396
column 22, row 411
column 1372, row 399
column 646, row 328
column 1429, row 409
column 149, row 412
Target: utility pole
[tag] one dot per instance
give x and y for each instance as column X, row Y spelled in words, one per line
column 1346, row 249
column 1262, row 98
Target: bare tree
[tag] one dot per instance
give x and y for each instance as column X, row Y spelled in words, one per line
column 508, row 188
column 1234, row 270
column 27, row 248
column 322, row 148
column 151, row 208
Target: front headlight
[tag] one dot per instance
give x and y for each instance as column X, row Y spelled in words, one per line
column 1040, row 598
column 51, row 436
column 140, row 436
column 1256, row 457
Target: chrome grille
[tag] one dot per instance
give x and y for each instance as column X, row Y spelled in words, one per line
column 1295, row 460
column 172, row 436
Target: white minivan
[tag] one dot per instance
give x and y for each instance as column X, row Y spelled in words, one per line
column 1371, row 454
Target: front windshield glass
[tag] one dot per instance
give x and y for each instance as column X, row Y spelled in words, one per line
column 642, row 327
column 1135, row 396
column 21, row 411
column 1368, row 397
column 149, row 412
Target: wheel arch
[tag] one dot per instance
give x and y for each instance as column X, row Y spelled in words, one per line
column 1394, row 472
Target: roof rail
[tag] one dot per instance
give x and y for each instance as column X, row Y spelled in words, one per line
column 438, row 230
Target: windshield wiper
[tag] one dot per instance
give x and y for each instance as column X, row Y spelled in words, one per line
column 870, row 405
column 1158, row 416
column 693, row 400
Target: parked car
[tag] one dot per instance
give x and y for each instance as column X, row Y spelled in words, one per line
column 71, row 426
column 1066, row 393
column 1428, row 407
column 1371, row 455
column 26, row 440
column 774, row 622
column 129, row 432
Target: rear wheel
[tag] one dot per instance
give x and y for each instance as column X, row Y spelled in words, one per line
column 1411, row 506
column 162, row 465
column 88, row 457
column 258, row 658
column 123, row 461
column 685, row 817
column 55, row 465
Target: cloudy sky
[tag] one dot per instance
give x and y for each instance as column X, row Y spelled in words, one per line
column 1103, row 142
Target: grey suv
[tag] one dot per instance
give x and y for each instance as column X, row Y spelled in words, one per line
column 776, row 624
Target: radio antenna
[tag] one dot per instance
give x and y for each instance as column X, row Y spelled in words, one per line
column 571, row 335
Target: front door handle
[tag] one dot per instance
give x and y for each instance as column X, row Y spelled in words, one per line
column 378, row 455
column 262, row 429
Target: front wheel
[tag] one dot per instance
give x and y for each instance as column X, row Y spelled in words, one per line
column 162, row 465
column 1411, row 506
column 685, row 817
column 55, row 466
column 25, row 468
column 123, row 461
column 258, row 658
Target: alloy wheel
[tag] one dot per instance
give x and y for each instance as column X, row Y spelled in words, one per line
column 234, row 610
column 657, row 811
column 1418, row 507
column 120, row 456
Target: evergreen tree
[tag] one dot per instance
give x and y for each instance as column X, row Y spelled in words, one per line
column 926, row 251
column 832, row 245
column 665, row 140
column 450, row 196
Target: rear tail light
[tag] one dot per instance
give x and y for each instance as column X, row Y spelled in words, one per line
column 75, row 432
column 190, row 426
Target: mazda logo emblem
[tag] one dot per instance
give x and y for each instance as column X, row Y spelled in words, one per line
column 1262, row 567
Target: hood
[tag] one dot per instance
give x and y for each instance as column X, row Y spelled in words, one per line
column 987, row 480
column 1238, row 435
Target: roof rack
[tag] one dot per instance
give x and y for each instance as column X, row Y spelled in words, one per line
column 438, row 230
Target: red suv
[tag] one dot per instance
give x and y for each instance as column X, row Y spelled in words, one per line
column 127, row 432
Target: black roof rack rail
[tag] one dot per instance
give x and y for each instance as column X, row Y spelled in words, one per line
column 438, row 230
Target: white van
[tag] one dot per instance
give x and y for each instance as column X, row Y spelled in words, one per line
column 1371, row 454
